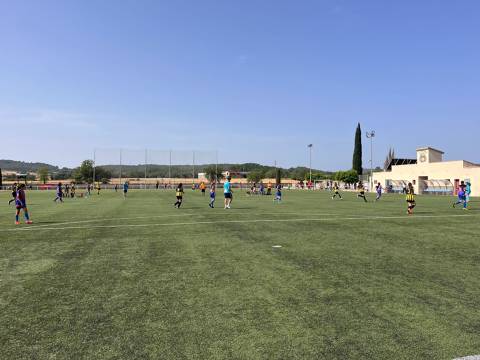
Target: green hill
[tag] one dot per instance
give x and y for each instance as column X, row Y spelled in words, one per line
column 25, row 167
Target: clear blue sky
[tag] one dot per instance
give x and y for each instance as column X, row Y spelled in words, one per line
column 257, row 80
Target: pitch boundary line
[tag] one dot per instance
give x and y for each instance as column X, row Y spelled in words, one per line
column 34, row 228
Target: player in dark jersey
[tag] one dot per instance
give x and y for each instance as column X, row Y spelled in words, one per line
column 361, row 192
column 179, row 194
column 410, row 199
column 336, row 192
column 21, row 203
column 14, row 193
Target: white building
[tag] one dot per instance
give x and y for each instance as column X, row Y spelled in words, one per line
column 430, row 174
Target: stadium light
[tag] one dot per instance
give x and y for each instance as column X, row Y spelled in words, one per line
column 371, row 135
column 310, row 146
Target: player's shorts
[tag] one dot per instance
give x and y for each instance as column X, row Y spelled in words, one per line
column 462, row 197
column 125, row 191
column 228, row 195
column 212, row 195
column 19, row 205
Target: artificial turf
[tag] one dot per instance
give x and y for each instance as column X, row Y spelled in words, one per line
column 108, row 278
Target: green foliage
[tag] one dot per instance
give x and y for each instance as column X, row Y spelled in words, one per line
column 213, row 173
column 349, row 177
column 357, row 151
column 84, row 173
column 43, row 174
column 62, row 174
column 278, row 176
column 256, row 176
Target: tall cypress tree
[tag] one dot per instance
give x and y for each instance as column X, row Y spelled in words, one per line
column 357, row 151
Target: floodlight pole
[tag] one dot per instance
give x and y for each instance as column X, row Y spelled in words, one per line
column 216, row 166
column 310, row 164
column 170, row 167
column 193, row 178
column 145, row 169
column 371, row 135
column 120, row 174
column 94, row 163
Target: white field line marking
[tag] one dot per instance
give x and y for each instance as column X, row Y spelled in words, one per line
column 33, row 228
column 164, row 216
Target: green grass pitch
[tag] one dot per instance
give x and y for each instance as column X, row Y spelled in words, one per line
column 104, row 278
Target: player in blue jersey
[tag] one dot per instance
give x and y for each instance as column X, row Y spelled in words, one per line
column 379, row 190
column 278, row 194
column 212, row 195
column 462, row 196
column 227, row 192
column 59, row 193
column 125, row 189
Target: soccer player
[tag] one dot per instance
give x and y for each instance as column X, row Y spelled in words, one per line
column 269, row 188
column 14, row 193
column 227, row 192
column 99, row 187
column 59, row 193
column 462, row 196
column 179, row 194
column 361, row 192
column 202, row 188
column 336, row 192
column 278, row 194
column 468, row 191
column 21, row 203
column 379, row 190
column 72, row 190
column 212, row 195
column 125, row 189
column 410, row 199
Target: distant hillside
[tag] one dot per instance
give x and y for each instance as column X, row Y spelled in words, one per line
column 161, row 171
column 25, row 167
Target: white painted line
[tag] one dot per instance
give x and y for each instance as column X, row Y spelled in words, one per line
column 165, row 216
column 404, row 217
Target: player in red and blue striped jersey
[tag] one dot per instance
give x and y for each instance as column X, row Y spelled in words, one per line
column 21, row 203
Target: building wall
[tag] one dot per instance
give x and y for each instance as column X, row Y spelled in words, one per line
column 450, row 170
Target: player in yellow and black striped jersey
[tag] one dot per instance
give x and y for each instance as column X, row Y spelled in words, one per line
column 336, row 192
column 179, row 194
column 410, row 199
column 361, row 192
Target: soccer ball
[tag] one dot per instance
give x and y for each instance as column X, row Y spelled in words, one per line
column 227, row 174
